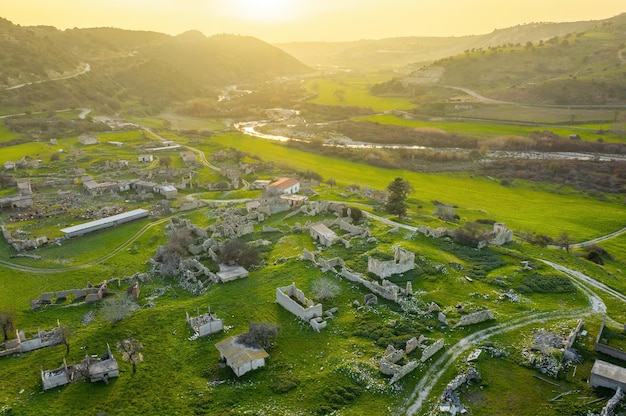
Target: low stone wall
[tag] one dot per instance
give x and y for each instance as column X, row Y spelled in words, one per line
column 403, row 261
column 605, row 349
column 307, row 312
column 476, row 318
column 388, row 291
column 432, row 350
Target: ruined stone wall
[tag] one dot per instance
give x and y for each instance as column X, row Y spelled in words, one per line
column 432, row 350
column 605, row 349
column 306, row 313
column 327, row 265
column 476, row 318
column 403, row 261
column 389, row 291
column 404, row 370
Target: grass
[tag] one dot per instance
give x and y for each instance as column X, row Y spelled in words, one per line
column 521, row 206
column 487, row 130
column 355, row 93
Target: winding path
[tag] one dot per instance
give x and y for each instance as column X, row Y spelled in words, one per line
column 86, row 68
column 436, row 370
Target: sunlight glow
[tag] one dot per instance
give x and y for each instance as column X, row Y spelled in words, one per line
column 264, row 10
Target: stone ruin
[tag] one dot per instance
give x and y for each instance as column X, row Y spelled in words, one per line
column 388, row 364
column 403, row 261
column 95, row 368
column 476, row 318
column 204, row 324
column 293, row 299
column 90, row 294
column 41, row 339
column 449, row 402
column 498, row 237
column 432, row 350
column 21, row 243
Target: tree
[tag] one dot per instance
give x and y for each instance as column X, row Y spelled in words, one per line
column 564, row 241
column 324, row 288
column 259, row 335
column 446, row 213
column 331, row 182
column 66, row 333
column 114, row 309
column 6, row 322
column 131, row 351
column 396, row 200
column 165, row 161
column 239, row 252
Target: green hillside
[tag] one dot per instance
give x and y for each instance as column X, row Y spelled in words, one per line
column 580, row 68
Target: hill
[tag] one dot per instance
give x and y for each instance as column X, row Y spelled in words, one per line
column 585, row 67
column 154, row 67
column 398, row 52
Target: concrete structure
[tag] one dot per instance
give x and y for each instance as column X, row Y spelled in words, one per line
column 87, row 139
column 403, row 261
column 96, row 368
column 205, row 324
column 10, row 165
column 189, row 158
column 260, row 184
column 102, row 368
column 608, row 375
column 285, row 186
column 324, row 235
column 230, row 273
column 103, row 223
column 168, row 191
column 293, row 299
column 239, row 357
column 145, row 158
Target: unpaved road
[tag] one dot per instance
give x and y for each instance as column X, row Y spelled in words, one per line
column 423, row 390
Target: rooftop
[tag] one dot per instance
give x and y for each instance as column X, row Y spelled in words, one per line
column 238, row 354
column 284, row 183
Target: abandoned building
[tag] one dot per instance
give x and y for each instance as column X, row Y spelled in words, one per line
column 40, row 340
column 189, row 158
column 229, row 273
column 292, row 299
column 205, row 324
column 607, row 375
column 239, row 357
column 403, row 261
column 284, row 186
column 322, row 234
column 95, row 368
column 87, row 139
column 168, row 191
column 112, row 221
column 145, row 158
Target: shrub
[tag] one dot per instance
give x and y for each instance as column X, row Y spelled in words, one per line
column 538, row 283
column 284, row 383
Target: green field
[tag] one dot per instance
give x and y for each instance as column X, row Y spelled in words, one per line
column 521, row 206
column 487, row 130
column 355, row 92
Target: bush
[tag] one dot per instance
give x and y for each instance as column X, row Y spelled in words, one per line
column 545, row 284
column 284, row 383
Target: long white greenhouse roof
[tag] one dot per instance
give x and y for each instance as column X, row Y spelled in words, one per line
column 104, row 221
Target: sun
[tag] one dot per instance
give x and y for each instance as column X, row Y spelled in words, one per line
column 264, row 10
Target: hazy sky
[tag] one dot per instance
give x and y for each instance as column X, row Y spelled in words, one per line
column 299, row 20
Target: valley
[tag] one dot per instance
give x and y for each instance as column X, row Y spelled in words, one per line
column 392, row 246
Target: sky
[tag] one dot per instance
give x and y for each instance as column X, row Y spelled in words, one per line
column 279, row 21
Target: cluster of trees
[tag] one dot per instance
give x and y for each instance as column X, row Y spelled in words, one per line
column 372, row 132
column 586, row 176
column 52, row 126
column 259, row 335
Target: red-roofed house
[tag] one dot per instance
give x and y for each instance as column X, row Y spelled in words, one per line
column 285, row 186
